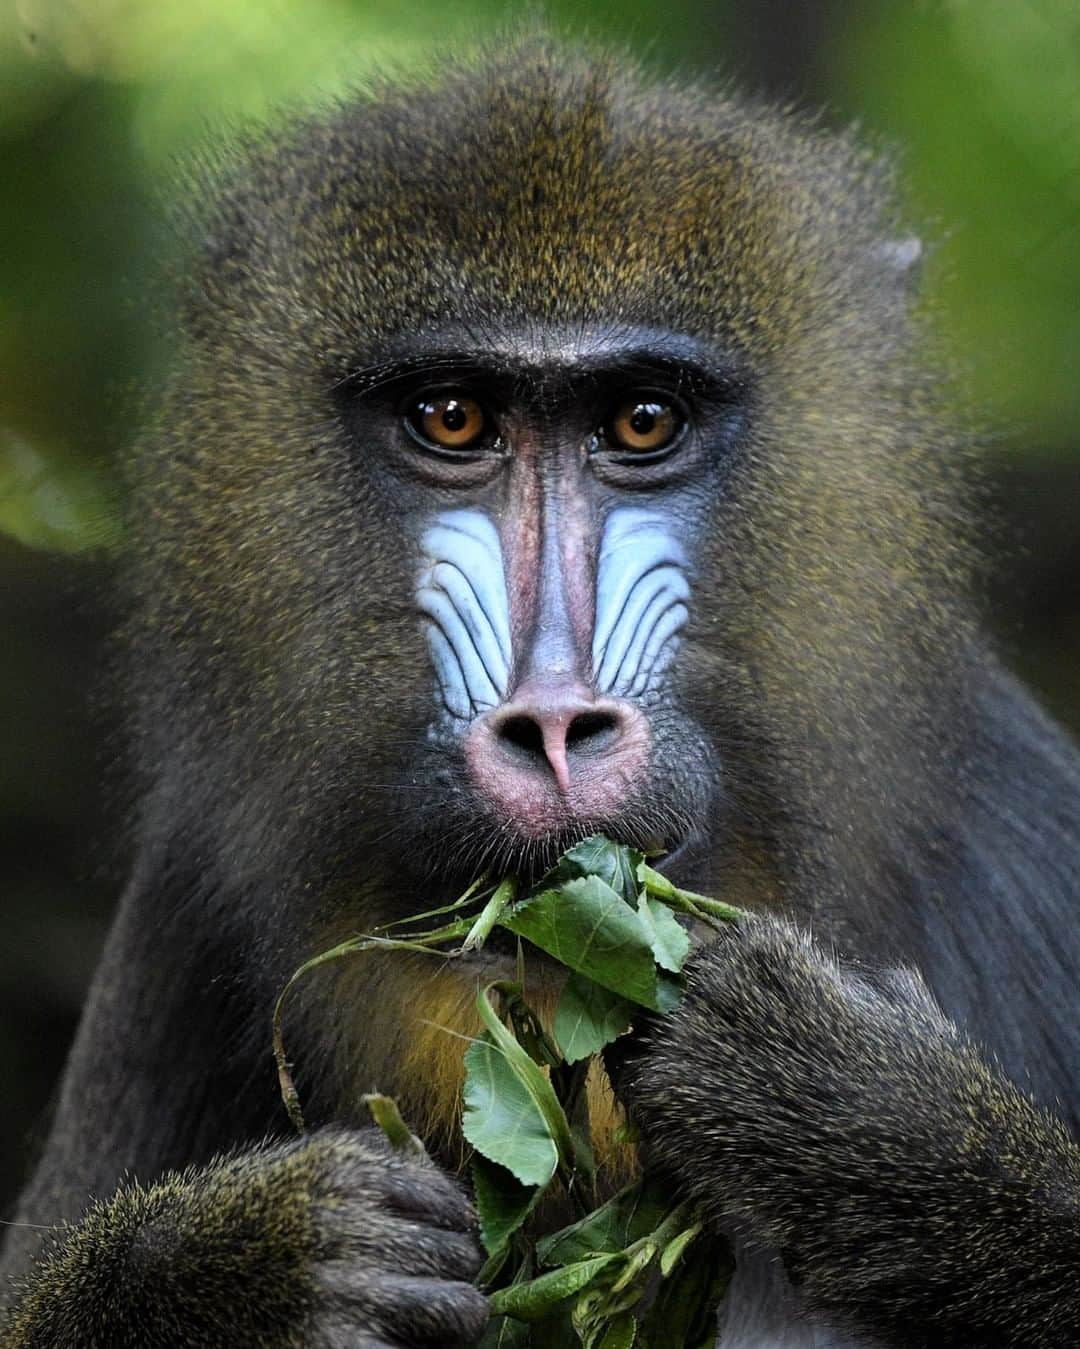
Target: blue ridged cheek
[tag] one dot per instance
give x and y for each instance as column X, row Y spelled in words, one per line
column 463, row 599
column 641, row 602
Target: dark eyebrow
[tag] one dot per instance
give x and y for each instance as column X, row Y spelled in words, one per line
column 368, row 378
column 672, row 357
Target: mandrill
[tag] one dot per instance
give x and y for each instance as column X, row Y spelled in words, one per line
column 549, row 451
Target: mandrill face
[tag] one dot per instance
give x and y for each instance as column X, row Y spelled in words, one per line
column 560, row 496
column 516, row 482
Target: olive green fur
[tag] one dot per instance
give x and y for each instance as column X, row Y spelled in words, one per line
column 887, row 782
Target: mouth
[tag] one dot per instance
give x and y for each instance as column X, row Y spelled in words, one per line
column 460, row 838
column 500, row 950
column 535, row 857
column 667, row 858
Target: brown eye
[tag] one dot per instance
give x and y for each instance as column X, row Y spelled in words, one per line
column 644, row 425
column 449, row 421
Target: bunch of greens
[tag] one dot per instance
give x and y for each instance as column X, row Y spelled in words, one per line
column 637, row 1270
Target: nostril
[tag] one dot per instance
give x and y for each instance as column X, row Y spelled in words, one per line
column 592, row 732
column 522, row 733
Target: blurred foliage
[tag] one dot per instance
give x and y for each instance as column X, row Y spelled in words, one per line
column 53, row 501
column 99, row 99
column 102, row 96
column 984, row 98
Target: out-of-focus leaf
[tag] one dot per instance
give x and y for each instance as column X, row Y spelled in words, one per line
column 53, row 503
column 982, row 98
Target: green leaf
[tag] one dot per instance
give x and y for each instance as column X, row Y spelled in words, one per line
column 602, row 1306
column 597, row 1328
column 570, row 1083
column 667, row 937
column 501, row 1117
column 669, row 991
column 621, row 1333
column 524, row 1065
column 614, row 863
column 676, row 1248
column 585, row 925
column 637, row 1267
column 490, row 1272
column 687, row 1304
column 588, row 1017
column 511, row 1112
column 633, row 1213
column 489, row 915
column 502, row 1202
column 503, row 1332
column 533, row 1300
column 385, row 1113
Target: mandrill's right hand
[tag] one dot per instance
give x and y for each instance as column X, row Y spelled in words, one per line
column 330, row 1241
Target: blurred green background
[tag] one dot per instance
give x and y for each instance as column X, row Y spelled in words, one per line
column 98, row 101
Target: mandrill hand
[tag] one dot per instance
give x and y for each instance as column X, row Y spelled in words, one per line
column 329, row 1242
column 840, row 1119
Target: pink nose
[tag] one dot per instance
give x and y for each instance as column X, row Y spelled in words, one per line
column 556, row 755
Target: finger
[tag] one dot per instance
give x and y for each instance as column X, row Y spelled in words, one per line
column 406, row 1309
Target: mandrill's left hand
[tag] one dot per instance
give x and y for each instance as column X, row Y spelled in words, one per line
column 914, row 1193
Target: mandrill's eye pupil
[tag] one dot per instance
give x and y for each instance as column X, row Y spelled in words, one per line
column 644, row 425
column 449, row 421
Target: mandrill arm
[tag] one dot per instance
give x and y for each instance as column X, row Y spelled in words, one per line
column 319, row 1243
column 913, row 1193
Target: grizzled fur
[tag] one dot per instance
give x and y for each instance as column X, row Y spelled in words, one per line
column 880, row 777
column 295, row 1244
column 838, row 1118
